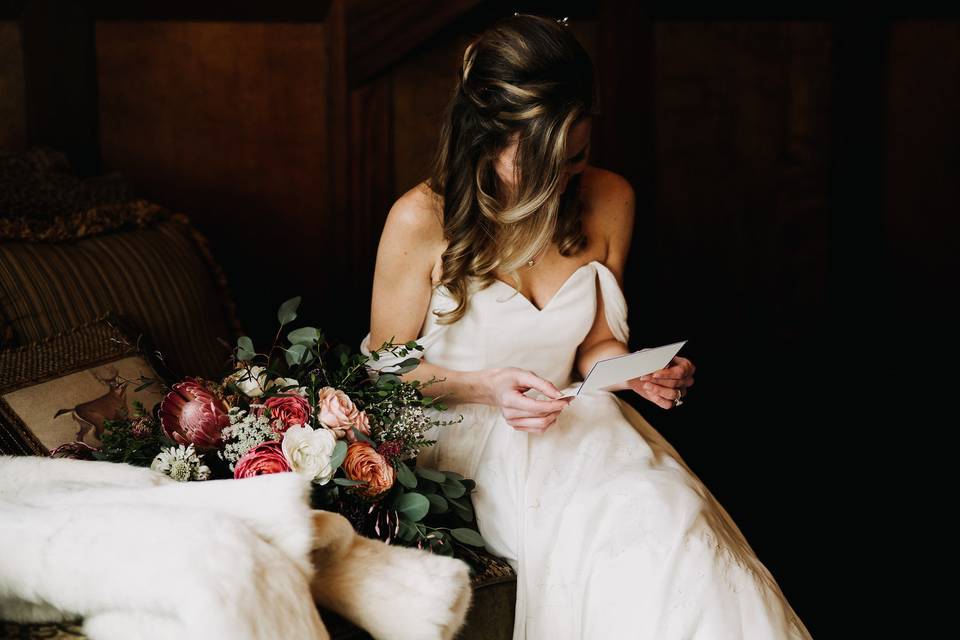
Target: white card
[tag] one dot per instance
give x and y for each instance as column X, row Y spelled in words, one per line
column 630, row 365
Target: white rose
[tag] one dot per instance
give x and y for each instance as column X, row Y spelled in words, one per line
column 250, row 382
column 280, row 383
column 309, row 452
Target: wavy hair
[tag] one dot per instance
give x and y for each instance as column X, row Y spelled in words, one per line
column 525, row 79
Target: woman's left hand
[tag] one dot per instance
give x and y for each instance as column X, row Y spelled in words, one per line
column 661, row 387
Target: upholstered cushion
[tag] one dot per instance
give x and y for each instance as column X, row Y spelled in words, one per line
column 158, row 277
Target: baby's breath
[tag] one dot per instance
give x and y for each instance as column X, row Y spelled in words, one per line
column 244, row 432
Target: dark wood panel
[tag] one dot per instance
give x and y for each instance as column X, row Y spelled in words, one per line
column 219, row 10
column 923, row 164
column 738, row 265
column 13, row 127
column 227, row 122
column 623, row 138
column 60, row 82
column 379, row 33
column 371, row 191
column 742, row 137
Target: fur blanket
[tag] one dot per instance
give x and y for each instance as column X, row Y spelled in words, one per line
column 139, row 556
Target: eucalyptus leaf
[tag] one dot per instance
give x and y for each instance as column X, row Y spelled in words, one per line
column 405, row 476
column 464, row 512
column 442, row 547
column 413, row 505
column 245, row 350
column 288, row 311
column 303, row 335
column 385, row 378
column 407, row 365
column 453, row 474
column 453, row 488
column 407, row 530
column 437, row 503
column 427, row 486
column 339, row 453
column 431, row 474
column 295, row 354
column 363, row 437
column 347, row 482
column 468, row 536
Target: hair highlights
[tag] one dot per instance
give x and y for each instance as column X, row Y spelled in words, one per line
column 525, row 80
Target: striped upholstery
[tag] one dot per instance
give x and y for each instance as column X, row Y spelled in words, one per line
column 158, row 278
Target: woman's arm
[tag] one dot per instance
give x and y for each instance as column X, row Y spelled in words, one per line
column 611, row 201
column 402, row 284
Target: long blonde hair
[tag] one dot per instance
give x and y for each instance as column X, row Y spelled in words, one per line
column 528, row 77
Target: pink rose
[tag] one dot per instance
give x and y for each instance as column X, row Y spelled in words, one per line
column 336, row 411
column 190, row 414
column 262, row 459
column 364, row 463
column 286, row 410
column 362, row 424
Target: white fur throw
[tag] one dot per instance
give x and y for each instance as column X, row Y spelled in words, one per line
column 139, row 556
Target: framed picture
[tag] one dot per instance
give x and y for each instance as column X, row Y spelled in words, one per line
column 62, row 389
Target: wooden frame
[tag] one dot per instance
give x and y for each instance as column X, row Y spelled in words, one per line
column 57, row 364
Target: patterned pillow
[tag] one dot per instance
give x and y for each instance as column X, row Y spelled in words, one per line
column 160, row 277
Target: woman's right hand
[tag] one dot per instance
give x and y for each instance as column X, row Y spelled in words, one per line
column 506, row 387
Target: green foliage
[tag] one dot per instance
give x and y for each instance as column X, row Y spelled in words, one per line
column 245, row 350
column 288, row 311
column 121, row 445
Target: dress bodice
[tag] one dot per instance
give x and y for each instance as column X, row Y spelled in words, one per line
column 502, row 328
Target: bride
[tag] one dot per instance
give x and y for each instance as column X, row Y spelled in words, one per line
column 506, row 266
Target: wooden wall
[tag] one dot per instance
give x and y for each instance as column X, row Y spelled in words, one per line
column 797, row 176
column 922, row 165
column 13, row 126
column 228, row 121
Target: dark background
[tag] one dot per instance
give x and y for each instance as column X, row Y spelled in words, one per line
column 797, row 171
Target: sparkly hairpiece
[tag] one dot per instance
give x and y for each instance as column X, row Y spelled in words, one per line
column 563, row 20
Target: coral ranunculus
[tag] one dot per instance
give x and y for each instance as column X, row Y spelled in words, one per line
column 364, row 463
column 286, row 410
column 190, row 414
column 265, row 458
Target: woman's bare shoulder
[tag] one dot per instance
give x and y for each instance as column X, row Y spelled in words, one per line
column 608, row 212
column 418, row 211
column 413, row 230
column 600, row 188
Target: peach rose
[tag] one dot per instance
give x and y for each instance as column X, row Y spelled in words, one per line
column 336, row 411
column 362, row 425
column 287, row 409
column 364, row 463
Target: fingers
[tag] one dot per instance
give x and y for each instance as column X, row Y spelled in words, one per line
column 532, row 381
column 510, row 412
column 533, row 425
column 661, row 396
column 670, row 383
column 516, row 401
column 678, row 369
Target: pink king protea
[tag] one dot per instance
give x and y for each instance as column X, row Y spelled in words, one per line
column 190, row 414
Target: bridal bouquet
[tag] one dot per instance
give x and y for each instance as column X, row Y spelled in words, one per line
column 306, row 406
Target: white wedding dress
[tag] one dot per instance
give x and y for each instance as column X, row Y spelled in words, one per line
column 611, row 534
